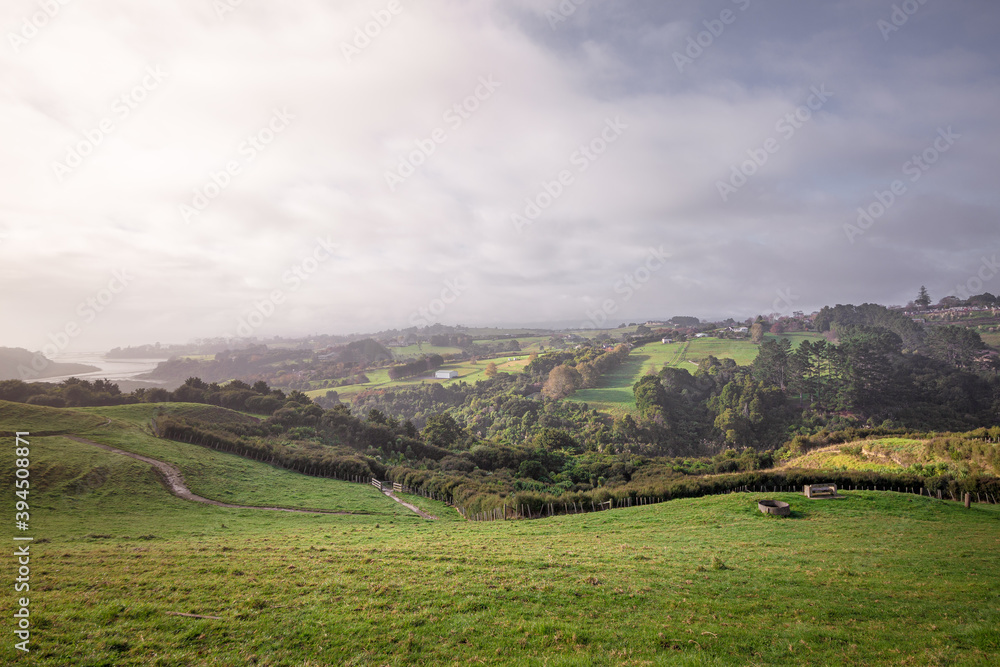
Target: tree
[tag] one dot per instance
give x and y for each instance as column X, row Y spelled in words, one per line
column 958, row 346
column 749, row 414
column 551, row 440
column 491, row 370
column 923, row 298
column 443, row 431
column 771, row 364
column 650, row 396
column 757, row 333
column 867, row 354
column 563, row 380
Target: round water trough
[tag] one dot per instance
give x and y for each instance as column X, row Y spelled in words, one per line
column 774, row 507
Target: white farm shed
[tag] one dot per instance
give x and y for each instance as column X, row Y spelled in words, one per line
column 446, row 375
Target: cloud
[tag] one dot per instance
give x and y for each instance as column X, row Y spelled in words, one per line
column 410, row 93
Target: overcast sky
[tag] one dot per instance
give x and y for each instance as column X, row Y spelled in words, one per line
column 180, row 165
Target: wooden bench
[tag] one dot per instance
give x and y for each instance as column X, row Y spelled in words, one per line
column 821, row 491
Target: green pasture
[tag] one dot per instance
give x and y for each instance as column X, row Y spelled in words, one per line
column 125, row 574
column 467, row 372
column 614, row 393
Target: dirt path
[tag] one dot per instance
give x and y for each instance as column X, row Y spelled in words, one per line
column 175, row 482
column 410, row 507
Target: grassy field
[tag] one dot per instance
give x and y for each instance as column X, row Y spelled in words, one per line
column 878, row 578
column 614, row 394
column 991, row 338
column 885, row 455
column 797, row 337
column 411, row 351
column 215, row 475
column 467, row 372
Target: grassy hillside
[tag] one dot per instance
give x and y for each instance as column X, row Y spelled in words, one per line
column 215, row 475
column 140, row 414
column 873, row 579
column 614, row 394
column 15, row 360
column 886, row 455
column 991, row 338
column 38, row 419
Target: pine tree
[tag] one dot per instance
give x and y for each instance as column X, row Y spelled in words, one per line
column 923, row 298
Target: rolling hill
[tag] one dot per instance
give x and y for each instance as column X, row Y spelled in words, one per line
column 17, row 363
column 125, row 573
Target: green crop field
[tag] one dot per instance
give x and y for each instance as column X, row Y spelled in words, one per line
column 877, row 578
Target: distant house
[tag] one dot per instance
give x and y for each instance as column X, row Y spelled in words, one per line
column 445, row 375
column 668, row 341
column 702, row 335
column 738, row 329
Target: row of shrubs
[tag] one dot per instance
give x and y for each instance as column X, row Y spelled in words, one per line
column 325, row 461
column 692, row 487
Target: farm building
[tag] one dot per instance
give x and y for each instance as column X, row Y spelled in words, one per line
column 446, row 375
column 667, row 341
